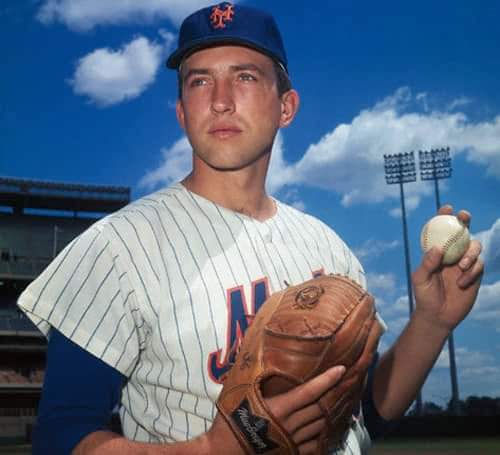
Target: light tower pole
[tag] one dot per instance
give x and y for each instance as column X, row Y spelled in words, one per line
column 436, row 165
column 400, row 169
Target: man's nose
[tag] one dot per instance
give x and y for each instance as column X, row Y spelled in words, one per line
column 222, row 97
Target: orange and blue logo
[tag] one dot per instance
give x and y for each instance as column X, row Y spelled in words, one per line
column 221, row 15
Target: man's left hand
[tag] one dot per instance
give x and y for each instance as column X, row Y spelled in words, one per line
column 444, row 295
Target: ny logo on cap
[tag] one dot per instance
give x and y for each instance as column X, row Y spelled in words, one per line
column 221, row 14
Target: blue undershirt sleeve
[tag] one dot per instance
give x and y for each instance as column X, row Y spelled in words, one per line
column 79, row 394
column 376, row 425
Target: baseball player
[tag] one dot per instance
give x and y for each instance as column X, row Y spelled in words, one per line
column 145, row 310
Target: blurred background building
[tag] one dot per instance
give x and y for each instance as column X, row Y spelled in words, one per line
column 37, row 220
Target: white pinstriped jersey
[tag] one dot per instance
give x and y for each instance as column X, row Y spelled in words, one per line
column 159, row 290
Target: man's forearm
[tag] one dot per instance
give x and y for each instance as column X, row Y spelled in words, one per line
column 402, row 370
column 105, row 442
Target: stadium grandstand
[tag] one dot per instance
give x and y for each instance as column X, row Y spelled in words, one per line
column 37, row 220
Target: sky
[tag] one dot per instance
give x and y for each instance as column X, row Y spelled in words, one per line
column 85, row 98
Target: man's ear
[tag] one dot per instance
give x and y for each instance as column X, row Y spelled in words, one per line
column 179, row 111
column 289, row 107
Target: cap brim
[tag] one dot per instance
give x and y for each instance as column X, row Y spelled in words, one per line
column 180, row 54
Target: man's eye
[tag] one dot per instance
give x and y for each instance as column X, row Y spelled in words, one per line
column 247, row 77
column 197, row 82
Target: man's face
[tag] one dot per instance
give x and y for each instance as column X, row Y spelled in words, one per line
column 230, row 108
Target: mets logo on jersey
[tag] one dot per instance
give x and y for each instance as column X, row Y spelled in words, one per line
column 240, row 312
column 221, row 14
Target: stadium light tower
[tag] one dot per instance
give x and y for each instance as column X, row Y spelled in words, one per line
column 436, row 165
column 400, row 169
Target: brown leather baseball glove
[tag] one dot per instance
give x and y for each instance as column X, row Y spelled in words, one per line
column 296, row 335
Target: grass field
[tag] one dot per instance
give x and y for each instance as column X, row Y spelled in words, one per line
column 448, row 446
column 451, row 446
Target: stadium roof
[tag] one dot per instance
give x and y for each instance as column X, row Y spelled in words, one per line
column 21, row 194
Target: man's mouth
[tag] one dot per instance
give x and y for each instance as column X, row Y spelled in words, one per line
column 224, row 131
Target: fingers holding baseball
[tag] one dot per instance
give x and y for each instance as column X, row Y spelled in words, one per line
column 471, row 255
column 472, row 249
column 446, row 209
column 463, row 215
column 471, row 265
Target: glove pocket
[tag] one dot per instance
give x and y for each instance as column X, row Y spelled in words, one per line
column 289, row 360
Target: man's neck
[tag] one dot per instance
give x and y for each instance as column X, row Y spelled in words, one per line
column 235, row 190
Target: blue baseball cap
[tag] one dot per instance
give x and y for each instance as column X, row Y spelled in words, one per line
column 226, row 23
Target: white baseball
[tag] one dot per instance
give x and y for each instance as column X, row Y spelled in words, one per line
column 447, row 232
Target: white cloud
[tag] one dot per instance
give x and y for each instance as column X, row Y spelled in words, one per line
column 381, row 282
column 279, row 172
column 478, row 374
column 490, row 240
column 486, row 307
column 349, row 159
column 401, row 305
column 396, row 313
column 372, row 248
column 459, row 102
column 108, row 76
column 176, row 164
column 411, row 203
column 467, row 361
column 292, row 197
column 396, row 325
column 423, row 99
column 83, row 15
column 482, row 381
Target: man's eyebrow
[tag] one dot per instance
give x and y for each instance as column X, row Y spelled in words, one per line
column 233, row 68
column 247, row 67
column 195, row 71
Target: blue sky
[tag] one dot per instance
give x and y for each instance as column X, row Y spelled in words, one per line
column 84, row 97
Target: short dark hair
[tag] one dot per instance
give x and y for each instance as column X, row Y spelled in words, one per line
column 282, row 79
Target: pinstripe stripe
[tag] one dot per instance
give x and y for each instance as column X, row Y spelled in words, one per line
column 210, row 307
column 139, row 389
column 257, row 256
column 91, row 269
column 211, row 224
column 242, row 257
column 146, row 255
column 293, row 220
column 164, row 342
column 169, row 414
column 117, row 328
column 330, row 249
column 190, row 302
column 348, row 261
column 56, row 270
column 68, row 281
column 134, row 422
column 264, row 244
column 124, row 347
column 160, row 362
column 292, row 238
column 101, row 284
column 139, row 275
column 170, row 287
column 185, row 416
column 102, row 318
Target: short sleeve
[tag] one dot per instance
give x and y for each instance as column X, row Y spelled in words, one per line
column 85, row 294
